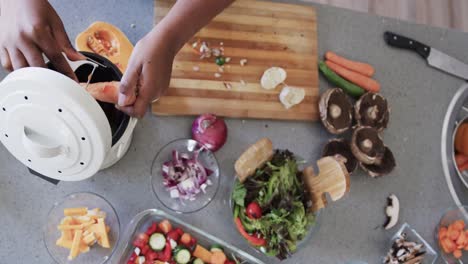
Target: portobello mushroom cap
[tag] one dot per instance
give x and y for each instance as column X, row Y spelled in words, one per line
column 366, row 145
column 382, row 167
column 339, row 148
column 336, row 111
column 372, row 110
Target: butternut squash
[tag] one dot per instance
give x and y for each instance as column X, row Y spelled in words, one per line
column 108, row 41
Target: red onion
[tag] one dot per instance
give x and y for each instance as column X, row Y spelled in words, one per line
column 209, row 130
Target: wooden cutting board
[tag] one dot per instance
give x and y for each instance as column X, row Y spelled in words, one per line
column 266, row 34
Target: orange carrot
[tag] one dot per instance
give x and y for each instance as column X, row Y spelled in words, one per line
column 359, row 67
column 461, row 240
column 459, row 225
column 165, row 226
column 448, row 245
column 457, row 253
column 202, row 253
column 453, row 234
column 186, row 238
column 363, row 81
column 442, row 233
column 218, row 257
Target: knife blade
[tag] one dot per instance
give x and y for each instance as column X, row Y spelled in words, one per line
column 434, row 57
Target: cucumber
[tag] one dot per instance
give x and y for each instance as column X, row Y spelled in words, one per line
column 198, row 261
column 215, row 248
column 182, row 256
column 157, row 241
column 349, row 88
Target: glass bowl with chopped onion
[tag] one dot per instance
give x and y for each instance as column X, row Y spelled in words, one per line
column 185, row 176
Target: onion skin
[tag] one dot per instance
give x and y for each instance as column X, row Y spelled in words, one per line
column 210, row 130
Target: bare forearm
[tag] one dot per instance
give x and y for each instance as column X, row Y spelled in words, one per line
column 187, row 17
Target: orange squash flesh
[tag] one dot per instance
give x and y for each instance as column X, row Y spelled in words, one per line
column 106, row 40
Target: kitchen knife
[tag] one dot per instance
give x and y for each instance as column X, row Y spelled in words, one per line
column 434, row 57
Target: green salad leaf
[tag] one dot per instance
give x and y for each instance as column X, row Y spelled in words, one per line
column 279, row 190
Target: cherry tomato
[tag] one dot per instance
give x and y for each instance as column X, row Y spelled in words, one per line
column 141, row 240
column 254, row 211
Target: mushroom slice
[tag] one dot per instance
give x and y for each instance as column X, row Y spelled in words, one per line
column 291, row 96
column 366, row 145
column 372, row 110
column 272, row 77
column 392, row 211
column 340, row 149
column 383, row 166
column 336, row 111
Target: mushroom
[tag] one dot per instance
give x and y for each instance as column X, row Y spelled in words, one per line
column 340, row 149
column 336, row 111
column 382, row 166
column 366, row 145
column 372, row 110
column 392, row 211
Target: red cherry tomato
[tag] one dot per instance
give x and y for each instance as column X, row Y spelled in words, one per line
column 254, row 211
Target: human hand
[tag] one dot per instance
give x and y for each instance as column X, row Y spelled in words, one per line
column 29, row 28
column 148, row 73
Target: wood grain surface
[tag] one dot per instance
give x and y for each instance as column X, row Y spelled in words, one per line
column 266, row 34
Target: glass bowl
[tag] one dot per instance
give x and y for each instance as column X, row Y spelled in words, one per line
column 97, row 254
column 207, row 159
column 313, row 228
column 143, row 220
column 447, row 218
column 411, row 235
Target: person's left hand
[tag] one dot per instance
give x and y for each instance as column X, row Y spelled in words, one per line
column 148, row 74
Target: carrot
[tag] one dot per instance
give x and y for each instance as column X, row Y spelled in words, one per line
column 457, row 253
column 165, row 226
column 461, row 240
column 442, row 233
column 218, row 258
column 202, row 253
column 448, row 245
column 459, row 225
column 186, row 238
column 359, row 67
column 363, row 81
column 453, row 233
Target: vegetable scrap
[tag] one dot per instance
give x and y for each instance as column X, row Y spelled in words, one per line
column 405, row 252
column 392, row 211
column 453, row 239
column 81, row 229
column 185, row 176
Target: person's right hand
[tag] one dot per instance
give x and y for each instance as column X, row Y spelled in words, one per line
column 30, row 28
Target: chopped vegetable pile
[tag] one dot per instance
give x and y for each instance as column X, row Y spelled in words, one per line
column 81, row 229
column 185, row 176
column 405, row 252
column 453, row 239
column 271, row 206
column 161, row 243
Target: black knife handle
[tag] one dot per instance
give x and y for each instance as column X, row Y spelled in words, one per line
column 403, row 42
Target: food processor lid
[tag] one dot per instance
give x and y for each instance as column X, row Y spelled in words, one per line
column 52, row 125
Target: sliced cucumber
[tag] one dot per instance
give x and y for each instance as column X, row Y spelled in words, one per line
column 157, row 241
column 216, row 248
column 198, row 261
column 183, row 256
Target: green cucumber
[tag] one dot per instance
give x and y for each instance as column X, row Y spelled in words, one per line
column 215, row 248
column 198, row 261
column 349, row 88
column 157, row 241
column 182, row 256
